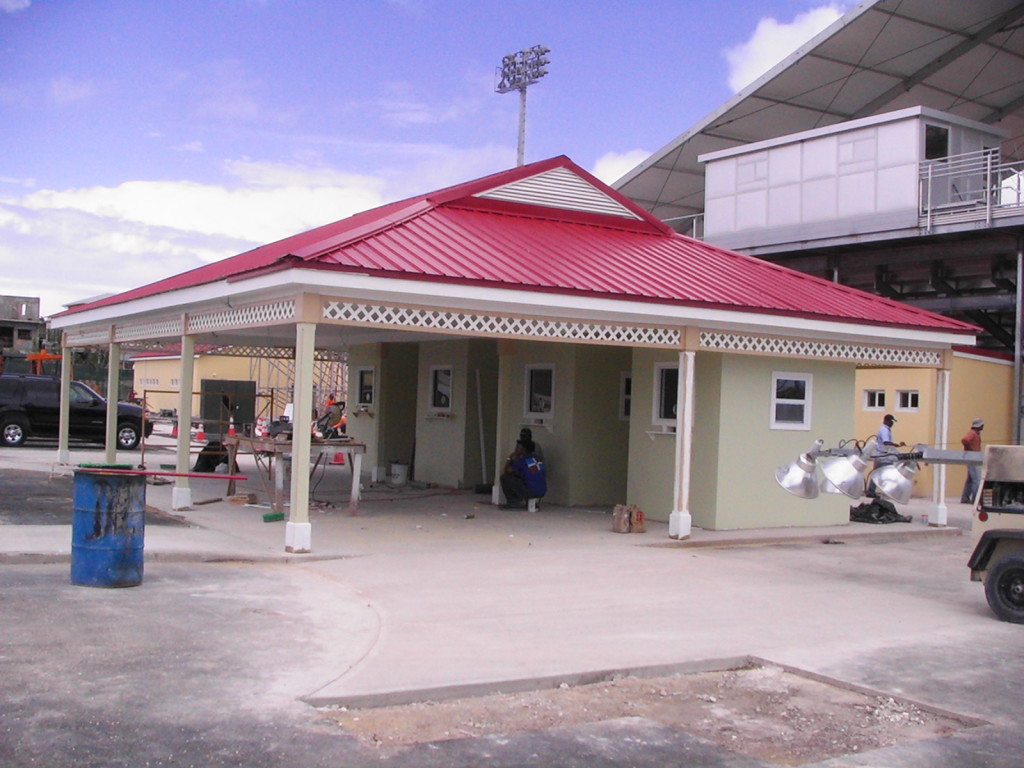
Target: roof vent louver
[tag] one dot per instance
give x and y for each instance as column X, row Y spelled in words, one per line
column 559, row 188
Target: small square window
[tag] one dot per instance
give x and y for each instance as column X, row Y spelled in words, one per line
column 791, row 401
column 907, row 399
column 364, row 386
column 441, row 387
column 666, row 394
column 874, row 399
column 540, row 391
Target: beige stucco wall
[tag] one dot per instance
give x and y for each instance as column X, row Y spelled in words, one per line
column 448, row 442
column 584, row 442
column 363, row 427
column 388, row 427
column 979, row 387
column 158, row 379
column 736, row 453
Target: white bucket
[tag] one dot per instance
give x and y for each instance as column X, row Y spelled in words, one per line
column 399, row 473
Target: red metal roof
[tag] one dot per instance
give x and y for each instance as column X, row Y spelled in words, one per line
column 456, row 235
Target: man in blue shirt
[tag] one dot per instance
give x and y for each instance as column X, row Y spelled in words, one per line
column 524, row 477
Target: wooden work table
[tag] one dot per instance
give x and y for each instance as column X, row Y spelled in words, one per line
column 266, row 449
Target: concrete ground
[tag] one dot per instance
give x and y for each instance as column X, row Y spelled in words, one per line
column 426, row 593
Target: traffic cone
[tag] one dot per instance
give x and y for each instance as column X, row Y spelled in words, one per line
column 231, row 426
column 201, row 433
column 174, row 428
column 339, row 458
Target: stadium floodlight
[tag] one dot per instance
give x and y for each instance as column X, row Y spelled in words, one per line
column 517, row 71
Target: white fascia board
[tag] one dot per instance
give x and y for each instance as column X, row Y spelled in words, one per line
column 349, row 286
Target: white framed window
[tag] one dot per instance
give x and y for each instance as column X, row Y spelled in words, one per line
column 791, row 400
column 666, row 394
column 907, row 399
column 625, row 395
column 540, row 391
column 175, row 382
column 365, row 387
column 441, row 388
column 874, row 399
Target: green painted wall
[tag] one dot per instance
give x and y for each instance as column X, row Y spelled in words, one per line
column 396, row 411
column 651, row 451
column 750, row 451
column 735, row 453
column 599, row 460
column 363, row 427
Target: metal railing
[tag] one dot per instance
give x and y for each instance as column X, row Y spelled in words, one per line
column 972, row 187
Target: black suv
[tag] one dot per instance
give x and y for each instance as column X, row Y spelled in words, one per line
column 30, row 407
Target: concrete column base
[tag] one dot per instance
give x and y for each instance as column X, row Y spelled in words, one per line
column 680, row 525
column 298, row 537
column 938, row 517
column 181, row 498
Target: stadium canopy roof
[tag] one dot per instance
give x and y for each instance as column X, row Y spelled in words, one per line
column 965, row 58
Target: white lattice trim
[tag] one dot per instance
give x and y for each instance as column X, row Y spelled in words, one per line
column 156, row 330
column 825, row 350
column 89, row 338
column 234, row 317
column 379, row 315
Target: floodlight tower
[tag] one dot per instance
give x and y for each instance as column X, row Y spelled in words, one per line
column 517, row 71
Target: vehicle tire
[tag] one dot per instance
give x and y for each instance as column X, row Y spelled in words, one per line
column 1004, row 588
column 128, row 436
column 13, row 430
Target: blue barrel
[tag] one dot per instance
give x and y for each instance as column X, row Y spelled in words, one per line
column 107, row 528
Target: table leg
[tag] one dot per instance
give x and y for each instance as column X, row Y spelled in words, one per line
column 355, row 462
column 232, row 452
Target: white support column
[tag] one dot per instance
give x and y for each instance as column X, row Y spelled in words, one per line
column 298, row 530
column 64, row 428
column 113, row 388
column 680, row 521
column 500, row 451
column 181, row 493
column 939, row 514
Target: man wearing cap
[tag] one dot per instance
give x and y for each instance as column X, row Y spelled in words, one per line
column 972, row 442
column 526, row 434
column 884, row 444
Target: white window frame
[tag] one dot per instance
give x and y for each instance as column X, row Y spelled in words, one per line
column 362, row 403
column 776, row 401
column 435, row 371
column 879, row 400
column 666, row 423
column 625, row 395
column 528, row 394
column 911, row 395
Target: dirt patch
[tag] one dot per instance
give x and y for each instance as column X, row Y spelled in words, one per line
column 764, row 712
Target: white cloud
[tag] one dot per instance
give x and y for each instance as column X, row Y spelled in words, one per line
column 772, row 41
column 66, row 90
column 257, row 213
column 12, row 6
column 190, row 146
column 612, row 166
column 67, row 244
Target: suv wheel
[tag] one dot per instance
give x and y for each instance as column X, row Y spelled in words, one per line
column 1004, row 588
column 13, row 430
column 127, row 436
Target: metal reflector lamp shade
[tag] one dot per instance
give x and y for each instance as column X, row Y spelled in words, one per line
column 799, row 477
column 826, row 485
column 895, row 481
column 847, row 475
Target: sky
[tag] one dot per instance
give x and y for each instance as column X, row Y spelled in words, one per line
column 143, row 138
